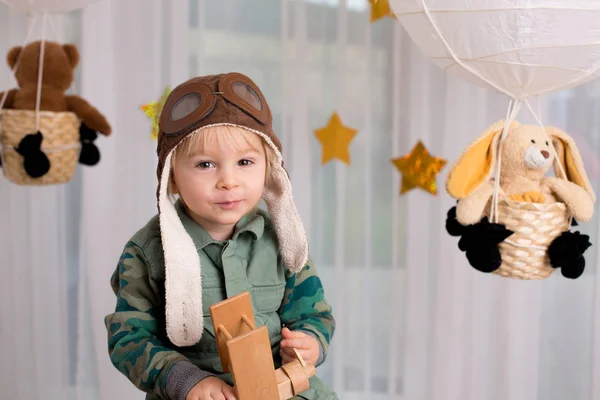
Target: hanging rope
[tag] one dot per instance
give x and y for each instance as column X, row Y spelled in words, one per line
column 38, row 96
column 511, row 114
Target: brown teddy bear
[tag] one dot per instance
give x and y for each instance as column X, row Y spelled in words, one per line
column 57, row 76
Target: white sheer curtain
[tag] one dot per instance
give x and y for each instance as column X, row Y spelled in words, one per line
column 415, row 321
column 38, row 248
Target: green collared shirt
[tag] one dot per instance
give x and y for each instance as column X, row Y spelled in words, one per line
column 250, row 260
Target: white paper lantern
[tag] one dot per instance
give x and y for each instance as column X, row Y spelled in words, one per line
column 49, row 6
column 519, row 47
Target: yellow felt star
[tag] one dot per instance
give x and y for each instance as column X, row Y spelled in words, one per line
column 380, row 9
column 419, row 169
column 335, row 138
column 153, row 110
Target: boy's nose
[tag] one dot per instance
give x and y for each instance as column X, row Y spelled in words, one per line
column 228, row 180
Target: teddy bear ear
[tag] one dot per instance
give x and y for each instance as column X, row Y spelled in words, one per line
column 72, row 53
column 13, row 56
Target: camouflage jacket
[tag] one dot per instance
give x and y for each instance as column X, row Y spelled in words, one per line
column 137, row 341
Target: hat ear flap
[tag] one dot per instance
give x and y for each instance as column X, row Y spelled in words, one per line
column 183, row 276
column 476, row 165
column 567, row 156
column 279, row 199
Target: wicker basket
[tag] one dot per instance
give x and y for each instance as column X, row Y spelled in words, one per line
column 60, row 144
column 535, row 226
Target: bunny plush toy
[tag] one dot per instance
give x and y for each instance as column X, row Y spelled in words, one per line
column 526, row 154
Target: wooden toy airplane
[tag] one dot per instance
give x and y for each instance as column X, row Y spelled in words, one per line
column 245, row 351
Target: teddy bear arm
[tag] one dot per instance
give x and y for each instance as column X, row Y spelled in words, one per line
column 10, row 98
column 88, row 114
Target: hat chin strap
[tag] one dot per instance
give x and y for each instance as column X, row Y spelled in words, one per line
column 183, row 278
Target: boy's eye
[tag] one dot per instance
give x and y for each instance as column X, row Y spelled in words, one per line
column 245, row 162
column 204, row 164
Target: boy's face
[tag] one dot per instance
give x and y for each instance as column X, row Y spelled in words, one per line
column 220, row 185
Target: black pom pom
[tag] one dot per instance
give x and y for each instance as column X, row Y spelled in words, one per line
column 575, row 269
column 87, row 134
column 36, row 165
column 90, row 155
column 453, row 227
column 35, row 162
column 566, row 252
column 480, row 244
column 30, row 143
column 484, row 258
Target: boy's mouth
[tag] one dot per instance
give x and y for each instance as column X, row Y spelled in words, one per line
column 229, row 204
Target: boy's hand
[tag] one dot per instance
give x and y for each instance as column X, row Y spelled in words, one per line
column 307, row 346
column 211, row 388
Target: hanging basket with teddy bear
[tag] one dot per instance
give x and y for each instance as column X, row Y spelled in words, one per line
column 513, row 220
column 45, row 133
column 50, row 158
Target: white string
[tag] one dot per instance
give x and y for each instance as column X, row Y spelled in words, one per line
column 455, row 57
column 38, row 98
column 525, row 246
column 497, row 181
column 513, row 110
column 539, row 66
column 517, row 49
column 500, row 9
column 54, row 30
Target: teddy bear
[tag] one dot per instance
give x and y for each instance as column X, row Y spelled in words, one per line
column 59, row 64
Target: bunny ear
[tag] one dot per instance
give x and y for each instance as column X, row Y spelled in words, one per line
column 476, row 165
column 568, row 156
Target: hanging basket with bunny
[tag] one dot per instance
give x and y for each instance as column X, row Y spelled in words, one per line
column 513, row 220
column 45, row 133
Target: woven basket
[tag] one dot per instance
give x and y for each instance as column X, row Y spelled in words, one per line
column 60, row 144
column 535, row 226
